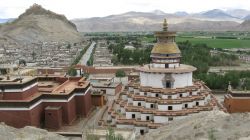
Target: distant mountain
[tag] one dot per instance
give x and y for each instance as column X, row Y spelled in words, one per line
column 151, row 21
column 247, row 17
column 181, row 13
column 3, row 20
column 244, row 26
column 158, row 12
column 38, row 24
column 239, row 13
column 216, row 13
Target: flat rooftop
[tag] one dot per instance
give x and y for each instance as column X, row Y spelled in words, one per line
column 70, row 85
column 60, row 85
column 11, row 80
column 105, row 84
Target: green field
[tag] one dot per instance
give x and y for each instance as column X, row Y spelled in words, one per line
column 218, row 43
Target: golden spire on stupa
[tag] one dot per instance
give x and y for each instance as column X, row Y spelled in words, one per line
column 165, row 25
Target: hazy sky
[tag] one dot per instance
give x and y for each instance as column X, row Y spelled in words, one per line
column 98, row 8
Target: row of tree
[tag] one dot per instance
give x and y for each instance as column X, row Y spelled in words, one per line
column 239, row 80
column 199, row 56
column 129, row 57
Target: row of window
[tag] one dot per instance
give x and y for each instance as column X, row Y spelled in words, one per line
column 148, row 118
column 169, row 107
column 169, row 96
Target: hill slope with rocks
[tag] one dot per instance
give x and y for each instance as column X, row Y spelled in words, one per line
column 39, row 25
column 27, row 133
column 205, row 126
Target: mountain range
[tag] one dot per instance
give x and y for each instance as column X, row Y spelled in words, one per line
column 37, row 24
column 211, row 20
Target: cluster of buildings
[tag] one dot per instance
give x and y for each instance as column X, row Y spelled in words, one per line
column 43, row 101
column 50, row 54
column 102, row 56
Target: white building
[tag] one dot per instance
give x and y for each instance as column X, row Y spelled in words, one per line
column 166, row 90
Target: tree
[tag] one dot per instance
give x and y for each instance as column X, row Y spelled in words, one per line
column 69, row 46
column 112, row 136
column 33, row 55
column 72, row 71
column 120, row 73
column 22, row 62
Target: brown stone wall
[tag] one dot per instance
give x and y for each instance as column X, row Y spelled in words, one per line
column 237, row 105
column 68, row 110
column 16, row 119
column 37, row 116
column 20, row 95
column 51, row 71
column 97, row 100
column 30, row 92
column 87, row 103
column 53, row 118
column 93, row 70
column 84, row 104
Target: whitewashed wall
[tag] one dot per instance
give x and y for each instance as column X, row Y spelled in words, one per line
column 125, row 126
column 182, row 80
column 135, row 103
column 155, row 79
column 165, row 107
column 144, row 117
column 129, row 115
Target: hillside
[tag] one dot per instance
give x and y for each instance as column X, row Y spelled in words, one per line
column 27, row 133
column 38, row 24
column 213, row 125
column 149, row 21
column 244, row 26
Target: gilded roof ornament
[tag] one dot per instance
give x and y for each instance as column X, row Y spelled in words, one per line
column 165, row 25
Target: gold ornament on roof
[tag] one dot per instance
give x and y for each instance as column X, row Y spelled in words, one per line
column 165, row 25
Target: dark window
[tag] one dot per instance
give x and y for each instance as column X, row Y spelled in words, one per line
column 147, row 118
column 156, row 95
column 170, row 108
column 50, row 114
column 168, row 85
column 166, row 66
column 180, row 95
column 170, row 118
column 186, row 105
column 139, row 104
column 190, row 93
column 152, row 105
column 169, row 97
column 133, row 116
column 142, row 132
column 145, row 93
column 197, row 103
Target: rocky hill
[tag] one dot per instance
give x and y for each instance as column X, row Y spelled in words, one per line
column 213, row 125
column 244, row 26
column 38, row 24
column 27, row 133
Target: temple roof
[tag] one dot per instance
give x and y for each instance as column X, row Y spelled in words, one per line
column 165, row 48
column 166, row 42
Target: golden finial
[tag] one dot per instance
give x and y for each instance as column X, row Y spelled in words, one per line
column 165, row 25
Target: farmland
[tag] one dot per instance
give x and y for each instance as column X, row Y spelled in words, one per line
column 213, row 39
column 217, row 43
